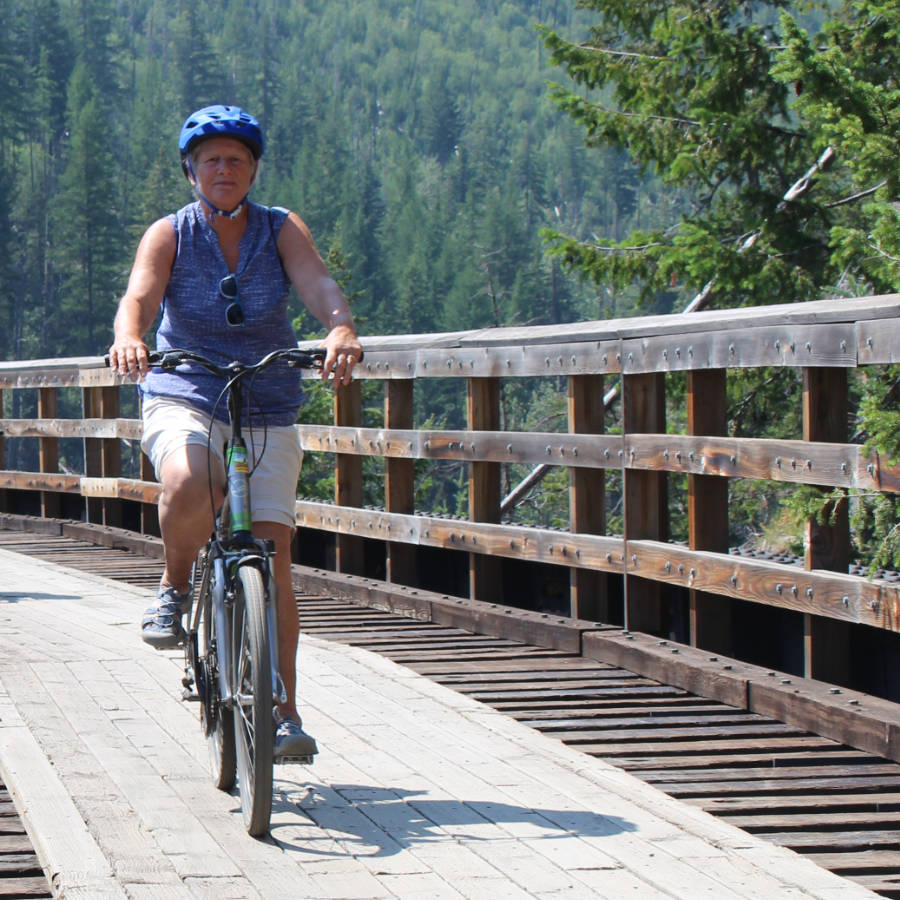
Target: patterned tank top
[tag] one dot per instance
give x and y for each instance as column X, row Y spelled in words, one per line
column 193, row 317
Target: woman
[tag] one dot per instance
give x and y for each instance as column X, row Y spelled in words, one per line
column 220, row 270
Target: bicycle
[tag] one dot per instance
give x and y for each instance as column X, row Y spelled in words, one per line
column 231, row 648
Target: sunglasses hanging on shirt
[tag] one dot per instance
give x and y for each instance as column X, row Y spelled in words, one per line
column 229, row 292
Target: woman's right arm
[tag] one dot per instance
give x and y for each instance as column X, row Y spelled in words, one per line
column 140, row 304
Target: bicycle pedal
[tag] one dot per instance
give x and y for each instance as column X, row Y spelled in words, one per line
column 296, row 760
column 189, row 695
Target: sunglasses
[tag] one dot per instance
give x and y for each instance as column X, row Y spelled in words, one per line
column 228, row 291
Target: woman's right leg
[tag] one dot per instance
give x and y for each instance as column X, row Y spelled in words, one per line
column 186, row 521
column 186, row 510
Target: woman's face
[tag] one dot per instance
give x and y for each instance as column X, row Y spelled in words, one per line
column 224, row 169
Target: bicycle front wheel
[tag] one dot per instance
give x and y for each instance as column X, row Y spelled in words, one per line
column 253, row 699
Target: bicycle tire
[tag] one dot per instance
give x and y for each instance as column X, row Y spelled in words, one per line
column 253, row 700
column 216, row 722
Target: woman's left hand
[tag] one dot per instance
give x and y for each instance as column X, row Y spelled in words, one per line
column 343, row 353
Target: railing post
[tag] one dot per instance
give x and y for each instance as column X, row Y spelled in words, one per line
column 646, row 505
column 93, row 454
column 483, row 414
column 111, row 451
column 710, row 615
column 399, row 479
column 348, row 486
column 48, row 453
column 588, row 591
column 102, row 456
column 826, row 655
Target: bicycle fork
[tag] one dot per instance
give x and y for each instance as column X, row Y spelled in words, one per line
column 220, row 605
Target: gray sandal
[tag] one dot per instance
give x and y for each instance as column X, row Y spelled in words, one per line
column 292, row 743
column 161, row 626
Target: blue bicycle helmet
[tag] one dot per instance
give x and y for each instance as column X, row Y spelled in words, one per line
column 221, row 121
column 218, row 121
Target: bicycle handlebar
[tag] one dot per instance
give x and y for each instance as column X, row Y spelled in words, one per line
column 295, row 357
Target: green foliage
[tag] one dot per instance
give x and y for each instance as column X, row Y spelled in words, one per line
column 729, row 107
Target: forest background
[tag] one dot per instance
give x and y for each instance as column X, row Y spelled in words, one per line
column 421, row 144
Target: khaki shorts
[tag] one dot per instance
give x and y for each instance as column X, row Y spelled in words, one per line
column 172, row 424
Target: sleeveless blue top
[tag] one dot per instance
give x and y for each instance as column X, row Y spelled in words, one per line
column 193, row 317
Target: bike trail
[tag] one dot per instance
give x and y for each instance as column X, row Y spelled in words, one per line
column 417, row 792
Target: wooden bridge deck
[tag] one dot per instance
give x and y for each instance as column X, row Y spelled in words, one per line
column 420, row 789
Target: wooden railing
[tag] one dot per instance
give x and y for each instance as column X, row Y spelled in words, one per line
column 637, row 578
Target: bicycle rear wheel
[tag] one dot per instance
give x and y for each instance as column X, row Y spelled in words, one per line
column 253, row 725
column 216, row 721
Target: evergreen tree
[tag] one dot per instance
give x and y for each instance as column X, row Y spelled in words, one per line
column 686, row 88
column 86, row 233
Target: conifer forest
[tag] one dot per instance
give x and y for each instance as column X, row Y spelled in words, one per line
column 478, row 163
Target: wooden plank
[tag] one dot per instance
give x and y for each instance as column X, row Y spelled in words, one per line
column 743, row 346
column 846, row 597
column 843, row 784
column 36, row 886
column 638, row 735
column 124, row 429
column 858, row 863
column 833, row 821
column 845, row 839
column 725, row 745
column 514, row 360
column 766, row 773
column 797, row 462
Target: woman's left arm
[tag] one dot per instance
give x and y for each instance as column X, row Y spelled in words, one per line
column 321, row 296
